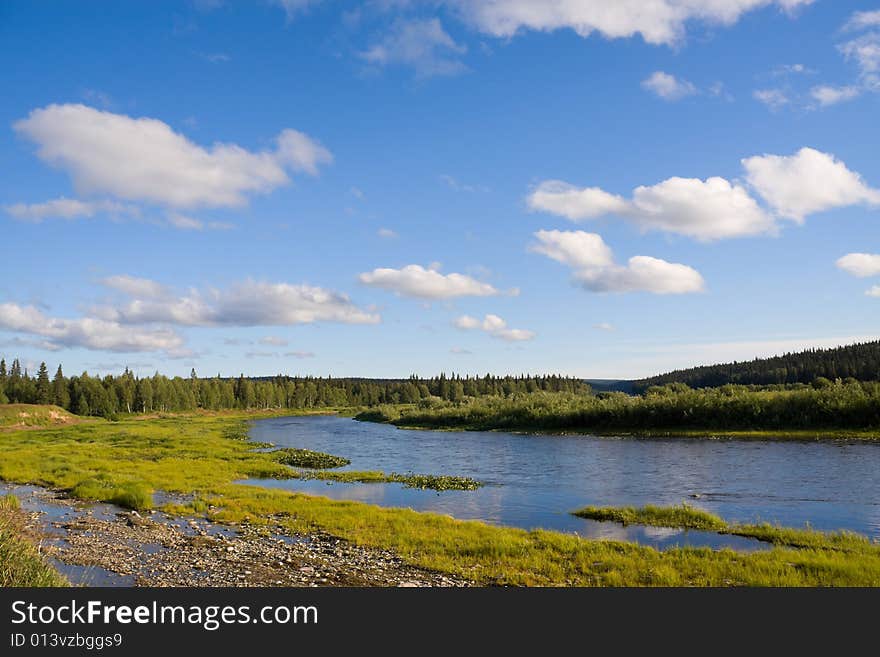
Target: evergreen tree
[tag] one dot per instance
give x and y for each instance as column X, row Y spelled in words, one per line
column 44, row 388
column 60, row 395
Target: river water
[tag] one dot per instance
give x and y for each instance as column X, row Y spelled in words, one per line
column 536, row 481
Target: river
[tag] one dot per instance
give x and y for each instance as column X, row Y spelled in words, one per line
column 536, row 481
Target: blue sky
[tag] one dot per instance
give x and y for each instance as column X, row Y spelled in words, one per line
column 377, row 188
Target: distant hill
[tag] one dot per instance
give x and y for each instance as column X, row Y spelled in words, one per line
column 610, row 385
column 859, row 361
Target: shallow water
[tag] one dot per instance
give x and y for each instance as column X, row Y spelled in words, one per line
column 535, row 481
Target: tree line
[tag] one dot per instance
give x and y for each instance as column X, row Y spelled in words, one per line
column 847, row 404
column 126, row 393
column 860, row 361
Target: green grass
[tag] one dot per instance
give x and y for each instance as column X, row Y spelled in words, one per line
column 684, row 516
column 14, row 416
column 850, row 411
column 688, row 517
column 306, row 458
column 195, row 456
column 20, row 562
column 422, row 481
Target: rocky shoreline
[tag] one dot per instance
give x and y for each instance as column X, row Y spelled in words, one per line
column 125, row 548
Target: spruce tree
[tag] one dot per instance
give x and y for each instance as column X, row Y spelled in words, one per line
column 60, row 395
column 44, row 388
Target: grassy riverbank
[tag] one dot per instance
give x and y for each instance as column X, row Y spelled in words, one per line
column 688, row 517
column 20, row 562
column 844, row 411
column 201, row 457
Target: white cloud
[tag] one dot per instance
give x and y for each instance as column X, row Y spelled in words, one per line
column 807, row 182
column 458, row 186
column 416, row 281
column 132, row 286
column 667, row 86
column 594, row 268
column 145, row 160
column 827, row 95
column 860, row 264
column 87, row 332
column 708, row 209
column 248, row 303
column 294, row 7
column 386, row 233
column 792, row 69
column 494, row 326
column 564, row 199
column 657, row 21
column 793, row 186
column 274, row 341
column 865, row 50
column 186, row 222
column 703, row 209
column 861, row 20
column 577, row 249
column 422, row 44
column 773, row 98
column 299, row 354
column 466, row 322
column 873, row 292
column 68, row 208
column 604, row 326
column 460, row 351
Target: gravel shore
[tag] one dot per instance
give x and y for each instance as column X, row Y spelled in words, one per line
column 105, row 545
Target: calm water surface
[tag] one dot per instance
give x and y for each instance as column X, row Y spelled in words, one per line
column 535, row 481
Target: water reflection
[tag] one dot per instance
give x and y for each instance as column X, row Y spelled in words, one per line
column 535, row 481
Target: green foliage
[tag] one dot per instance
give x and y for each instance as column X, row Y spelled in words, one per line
column 435, row 482
column 112, row 395
column 664, row 409
column 20, row 562
column 305, row 458
column 102, row 488
column 684, row 516
column 191, row 456
column 861, row 362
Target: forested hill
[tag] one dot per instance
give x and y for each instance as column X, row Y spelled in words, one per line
column 859, row 361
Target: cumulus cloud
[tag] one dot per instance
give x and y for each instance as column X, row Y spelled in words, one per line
column 143, row 159
column 873, row 291
column 827, row 95
column 86, row 332
column 657, row 21
column 707, row 210
column 860, row 264
column 667, row 86
column 564, row 199
column 421, row 44
column 386, row 233
column 69, row 208
column 807, row 182
column 773, row 98
column 861, row 20
column 594, row 269
column 604, row 326
column 143, row 288
column 792, row 186
column 494, row 326
column 416, row 281
column 248, row 303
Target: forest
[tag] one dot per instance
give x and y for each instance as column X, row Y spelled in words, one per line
column 824, row 405
column 860, row 361
column 126, row 393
